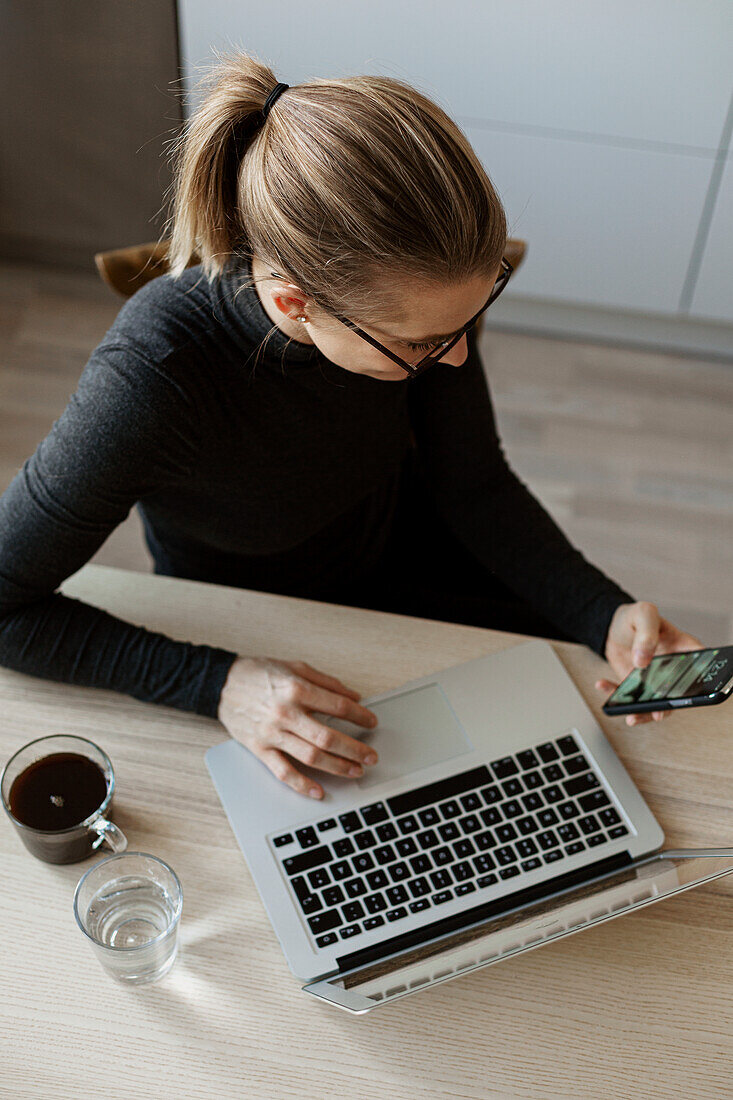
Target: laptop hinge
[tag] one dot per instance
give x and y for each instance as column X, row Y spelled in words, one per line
column 481, row 912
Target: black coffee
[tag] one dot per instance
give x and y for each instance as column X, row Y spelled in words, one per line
column 57, row 792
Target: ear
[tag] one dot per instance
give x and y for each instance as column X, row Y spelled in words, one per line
column 290, row 300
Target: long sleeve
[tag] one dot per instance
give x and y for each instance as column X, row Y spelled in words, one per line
column 128, row 430
column 494, row 514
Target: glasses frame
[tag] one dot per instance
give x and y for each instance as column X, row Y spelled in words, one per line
column 414, row 369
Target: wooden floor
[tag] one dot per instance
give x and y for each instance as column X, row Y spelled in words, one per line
column 630, row 451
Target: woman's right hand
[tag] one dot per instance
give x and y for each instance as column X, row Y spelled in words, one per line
column 266, row 704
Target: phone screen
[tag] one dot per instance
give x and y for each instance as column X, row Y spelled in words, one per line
column 675, row 676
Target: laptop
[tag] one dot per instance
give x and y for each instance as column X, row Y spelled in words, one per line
column 497, row 804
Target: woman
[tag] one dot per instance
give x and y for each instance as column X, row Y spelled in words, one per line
column 303, row 412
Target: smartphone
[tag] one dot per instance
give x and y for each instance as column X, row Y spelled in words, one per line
column 695, row 679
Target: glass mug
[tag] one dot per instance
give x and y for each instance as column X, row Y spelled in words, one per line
column 46, row 778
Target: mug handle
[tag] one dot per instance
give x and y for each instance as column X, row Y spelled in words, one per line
column 108, row 831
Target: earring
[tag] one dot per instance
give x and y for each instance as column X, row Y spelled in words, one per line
column 301, row 319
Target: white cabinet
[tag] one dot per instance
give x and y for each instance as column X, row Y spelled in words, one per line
column 713, row 297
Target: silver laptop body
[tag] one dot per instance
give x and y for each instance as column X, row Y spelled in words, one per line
column 464, row 753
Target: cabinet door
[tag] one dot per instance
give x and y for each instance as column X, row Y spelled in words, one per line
column 713, row 297
column 605, row 226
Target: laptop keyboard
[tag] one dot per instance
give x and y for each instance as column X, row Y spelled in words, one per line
column 380, row 863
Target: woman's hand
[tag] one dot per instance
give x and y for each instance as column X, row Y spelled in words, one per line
column 266, row 704
column 636, row 634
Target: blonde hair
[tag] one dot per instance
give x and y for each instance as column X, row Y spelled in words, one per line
column 349, row 186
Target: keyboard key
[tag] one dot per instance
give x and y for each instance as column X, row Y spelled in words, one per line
column 462, row 871
column 553, row 773
column 365, row 839
column 350, row 822
column 505, row 833
column 334, row 895
column 486, row 880
column 428, row 839
column 419, row 887
column 440, row 899
column 574, row 765
column 375, row 903
column 355, row 887
column 343, row 847
column 325, row 825
column 341, row 870
column 492, row 816
column 533, row 780
column 526, row 847
column 396, row 914
column 532, row 802
column 594, row 800
column 547, row 818
column 470, row 823
column 568, row 810
column 512, row 787
column 351, row 930
column 450, row 808
column 609, row 817
column 308, row 837
column 377, row 879
column 408, row 824
column 372, row 922
column 396, row 895
column 385, row 854
column 547, row 753
column 553, row 794
column 449, row 831
column 353, row 911
column 484, row 840
column 595, row 840
column 573, row 849
column 526, row 825
column 619, row 830
column 465, row 888
column 589, row 824
column 311, row 903
column 387, row 831
column 406, row 846
column 301, row 889
column 441, row 856
column 306, row 861
column 512, row 808
column 531, row 864
column 505, row 767
column 399, row 871
column 441, row 879
column 433, row 792
column 420, row 864
column 483, row 864
column 527, row 759
column 567, row 833
column 324, row 941
column 430, row 816
column 471, row 802
column 374, row 813
column 491, row 795
column 508, row 872
column 553, row 856
column 418, row 906
column 547, row 840
column 581, row 784
column 324, row 922
column 567, row 745
column 363, row 862
column 319, row 878
column 504, row 855
column 281, row 841
column 464, row 848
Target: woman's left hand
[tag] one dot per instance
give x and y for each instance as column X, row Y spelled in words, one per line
column 636, row 634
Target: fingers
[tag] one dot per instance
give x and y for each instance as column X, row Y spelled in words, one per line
column 330, row 741
column 321, row 678
column 606, row 685
column 329, row 702
column 646, row 621
column 307, row 753
column 283, row 770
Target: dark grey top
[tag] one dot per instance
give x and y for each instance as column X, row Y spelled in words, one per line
column 278, row 473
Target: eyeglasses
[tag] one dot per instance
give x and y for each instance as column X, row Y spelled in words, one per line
column 413, row 369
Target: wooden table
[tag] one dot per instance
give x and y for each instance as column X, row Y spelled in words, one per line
column 638, row 1007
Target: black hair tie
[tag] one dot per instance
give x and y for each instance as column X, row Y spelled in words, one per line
column 276, row 92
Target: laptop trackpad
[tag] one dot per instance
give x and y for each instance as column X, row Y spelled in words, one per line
column 416, row 728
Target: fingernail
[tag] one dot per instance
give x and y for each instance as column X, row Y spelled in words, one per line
column 314, row 792
column 355, row 770
column 370, row 759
